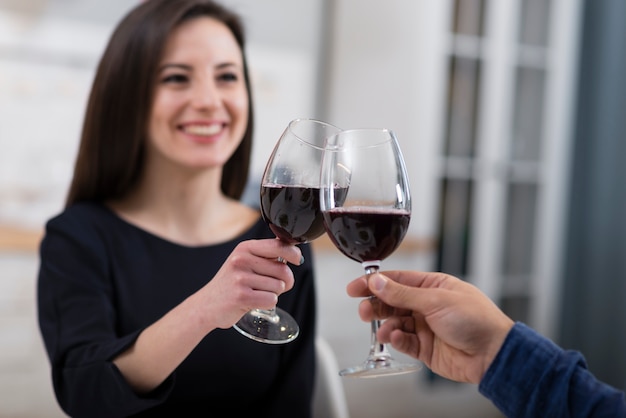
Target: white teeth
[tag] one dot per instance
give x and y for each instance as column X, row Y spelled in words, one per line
column 203, row 130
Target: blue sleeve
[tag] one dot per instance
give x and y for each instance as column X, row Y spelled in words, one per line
column 533, row 377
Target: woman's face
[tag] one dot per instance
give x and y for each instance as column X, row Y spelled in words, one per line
column 200, row 109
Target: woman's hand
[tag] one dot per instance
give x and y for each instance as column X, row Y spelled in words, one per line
column 253, row 276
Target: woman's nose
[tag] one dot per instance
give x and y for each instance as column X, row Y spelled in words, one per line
column 206, row 94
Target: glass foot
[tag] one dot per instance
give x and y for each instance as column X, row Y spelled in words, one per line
column 270, row 327
column 375, row 367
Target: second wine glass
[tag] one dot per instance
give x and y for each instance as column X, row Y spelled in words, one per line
column 290, row 205
column 365, row 168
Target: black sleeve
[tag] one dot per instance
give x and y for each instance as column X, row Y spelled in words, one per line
column 77, row 321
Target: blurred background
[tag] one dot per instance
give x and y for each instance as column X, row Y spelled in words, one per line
column 510, row 115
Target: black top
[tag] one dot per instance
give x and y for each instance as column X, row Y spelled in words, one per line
column 103, row 280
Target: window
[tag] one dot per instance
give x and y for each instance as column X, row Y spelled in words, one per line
column 502, row 156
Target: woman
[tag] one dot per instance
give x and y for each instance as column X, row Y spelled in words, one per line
column 154, row 257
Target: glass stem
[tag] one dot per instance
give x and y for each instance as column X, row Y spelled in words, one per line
column 378, row 351
column 267, row 314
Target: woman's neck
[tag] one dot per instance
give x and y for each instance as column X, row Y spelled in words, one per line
column 190, row 209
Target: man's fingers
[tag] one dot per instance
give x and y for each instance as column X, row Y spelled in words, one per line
column 393, row 298
column 358, row 287
column 379, row 309
column 414, row 279
column 421, row 279
column 398, row 295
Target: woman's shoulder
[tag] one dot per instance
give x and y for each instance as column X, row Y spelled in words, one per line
column 80, row 214
column 79, row 228
column 86, row 222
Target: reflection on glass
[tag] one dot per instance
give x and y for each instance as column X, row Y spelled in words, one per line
column 535, row 16
column 454, row 228
column 528, row 115
column 468, row 17
column 464, row 86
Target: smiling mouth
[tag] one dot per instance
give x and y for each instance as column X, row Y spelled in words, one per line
column 202, row 130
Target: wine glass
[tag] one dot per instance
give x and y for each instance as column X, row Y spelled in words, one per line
column 290, row 205
column 365, row 168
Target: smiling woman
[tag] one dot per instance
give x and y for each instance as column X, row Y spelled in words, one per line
column 200, row 109
column 154, row 257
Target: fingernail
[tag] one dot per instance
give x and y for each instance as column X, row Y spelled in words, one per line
column 301, row 260
column 379, row 282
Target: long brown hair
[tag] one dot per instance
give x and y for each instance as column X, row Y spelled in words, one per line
column 112, row 146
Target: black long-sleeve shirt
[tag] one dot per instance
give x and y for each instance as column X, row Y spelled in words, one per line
column 103, row 280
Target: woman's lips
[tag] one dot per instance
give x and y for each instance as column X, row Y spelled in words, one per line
column 202, row 129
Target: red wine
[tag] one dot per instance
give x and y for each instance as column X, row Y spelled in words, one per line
column 366, row 234
column 292, row 212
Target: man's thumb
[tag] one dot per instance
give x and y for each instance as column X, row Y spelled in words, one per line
column 392, row 293
column 377, row 283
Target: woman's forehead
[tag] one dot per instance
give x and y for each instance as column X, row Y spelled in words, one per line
column 203, row 36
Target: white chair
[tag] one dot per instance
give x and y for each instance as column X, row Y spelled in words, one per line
column 329, row 398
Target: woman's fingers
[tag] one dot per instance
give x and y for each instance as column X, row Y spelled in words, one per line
column 275, row 249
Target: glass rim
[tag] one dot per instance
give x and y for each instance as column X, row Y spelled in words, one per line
column 294, row 122
column 389, row 136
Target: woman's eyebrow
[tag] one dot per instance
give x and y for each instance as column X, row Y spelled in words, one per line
column 228, row 65
column 174, row 65
column 189, row 67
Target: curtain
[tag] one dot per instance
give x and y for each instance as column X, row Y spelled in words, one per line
column 594, row 295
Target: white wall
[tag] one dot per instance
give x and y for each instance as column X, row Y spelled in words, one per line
column 46, row 68
column 386, row 67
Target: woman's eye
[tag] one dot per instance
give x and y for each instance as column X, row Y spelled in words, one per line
column 175, row 78
column 228, row 77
